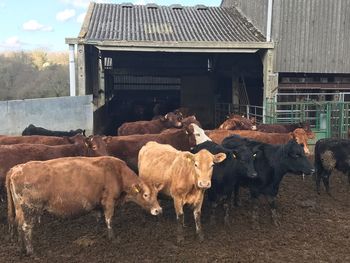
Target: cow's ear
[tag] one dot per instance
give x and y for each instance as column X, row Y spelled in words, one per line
column 158, row 186
column 107, row 139
column 218, row 158
column 189, row 156
column 136, row 188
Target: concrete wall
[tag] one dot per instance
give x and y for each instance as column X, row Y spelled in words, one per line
column 63, row 113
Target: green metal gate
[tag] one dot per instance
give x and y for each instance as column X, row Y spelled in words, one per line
column 327, row 118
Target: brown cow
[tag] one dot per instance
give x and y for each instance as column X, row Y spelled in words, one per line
column 72, row 186
column 21, row 153
column 272, row 138
column 36, row 139
column 190, row 119
column 170, row 120
column 182, row 175
column 237, row 122
column 286, row 128
column 128, row 147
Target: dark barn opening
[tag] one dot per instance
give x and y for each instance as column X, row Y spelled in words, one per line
column 140, row 85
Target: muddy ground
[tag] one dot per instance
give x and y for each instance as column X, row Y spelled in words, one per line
column 314, row 229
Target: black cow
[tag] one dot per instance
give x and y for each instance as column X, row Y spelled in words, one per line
column 238, row 163
column 33, row 130
column 272, row 163
column 330, row 155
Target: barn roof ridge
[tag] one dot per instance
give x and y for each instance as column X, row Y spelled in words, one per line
column 123, row 23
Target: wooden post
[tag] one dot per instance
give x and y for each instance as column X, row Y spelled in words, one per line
column 269, row 78
column 81, row 70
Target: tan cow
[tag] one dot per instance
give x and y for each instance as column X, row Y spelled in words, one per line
column 299, row 135
column 182, row 175
column 72, row 186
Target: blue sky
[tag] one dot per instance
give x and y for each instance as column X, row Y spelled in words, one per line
column 44, row 24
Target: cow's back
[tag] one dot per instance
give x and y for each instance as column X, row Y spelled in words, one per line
column 155, row 162
column 66, row 184
column 34, row 139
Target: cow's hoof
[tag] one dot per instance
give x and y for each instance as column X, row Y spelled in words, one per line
column 200, row 237
column 180, row 240
column 212, row 221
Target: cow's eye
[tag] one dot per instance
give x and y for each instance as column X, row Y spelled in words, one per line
column 196, row 164
column 145, row 195
column 94, row 147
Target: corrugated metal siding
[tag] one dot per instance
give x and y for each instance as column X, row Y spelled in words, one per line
column 257, row 11
column 165, row 24
column 311, row 36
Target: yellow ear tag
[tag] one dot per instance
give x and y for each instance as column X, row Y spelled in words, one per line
column 188, row 159
column 234, row 156
column 136, row 190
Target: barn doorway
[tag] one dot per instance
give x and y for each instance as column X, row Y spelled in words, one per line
column 139, row 85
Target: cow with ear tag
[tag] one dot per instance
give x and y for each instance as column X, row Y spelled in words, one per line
column 182, row 175
column 73, row 186
column 239, row 163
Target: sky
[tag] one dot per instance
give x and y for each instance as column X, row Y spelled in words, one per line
column 44, row 24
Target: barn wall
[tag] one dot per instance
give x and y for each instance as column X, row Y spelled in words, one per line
column 63, row 113
column 310, row 36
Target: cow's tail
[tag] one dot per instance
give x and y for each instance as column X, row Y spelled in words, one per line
column 10, row 204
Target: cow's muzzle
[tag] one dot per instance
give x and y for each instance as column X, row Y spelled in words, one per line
column 204, row 184
column 156, row 211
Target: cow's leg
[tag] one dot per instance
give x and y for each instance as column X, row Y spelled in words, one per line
column 197, row 219
column 318, row 181
column 227, row 207
column 178, row 204
column 236, row 199
column 325, row 180
column 254, row 209
column 273, row 207
column 25, row 225
column 108, row 209
column 212, row 197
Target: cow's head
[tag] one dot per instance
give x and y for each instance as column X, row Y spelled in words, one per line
column 202, row 164
column 196, row 134
column 294, row 159
column 93, row 145
column 172, row 120
column 145, row 195
column 245, row 157
column 301, row 137
column 190, row 119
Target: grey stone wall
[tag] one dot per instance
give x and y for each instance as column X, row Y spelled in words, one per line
column 63, row 113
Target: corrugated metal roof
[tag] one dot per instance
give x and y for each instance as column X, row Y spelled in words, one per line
column 152, row 23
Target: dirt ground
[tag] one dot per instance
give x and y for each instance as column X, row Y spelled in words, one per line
column 314, row 229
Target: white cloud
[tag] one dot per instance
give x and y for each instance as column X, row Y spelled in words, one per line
column 33, row 25
column 80, row 18
column 65, row 15
column 12, row 43
column 83, row 3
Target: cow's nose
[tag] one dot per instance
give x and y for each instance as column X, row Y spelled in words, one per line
column 206, row 184
column 156, row 211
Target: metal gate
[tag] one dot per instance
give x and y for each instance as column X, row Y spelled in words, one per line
column 327, row 118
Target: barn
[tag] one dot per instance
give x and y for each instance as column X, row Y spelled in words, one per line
column 311, row 64
column 134, row 59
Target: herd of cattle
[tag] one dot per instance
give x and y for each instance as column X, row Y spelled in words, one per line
column 69, row 174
